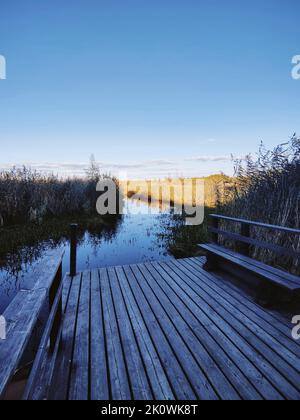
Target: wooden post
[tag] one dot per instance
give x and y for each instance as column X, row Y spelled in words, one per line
column 52, row 295
column 211, row 262
column 243, row 247
column 215, row 224
column 73, row 250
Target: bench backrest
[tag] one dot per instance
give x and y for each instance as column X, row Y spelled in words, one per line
column 244, row 239
column 23, row 313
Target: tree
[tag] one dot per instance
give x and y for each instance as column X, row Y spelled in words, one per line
column 93, row 171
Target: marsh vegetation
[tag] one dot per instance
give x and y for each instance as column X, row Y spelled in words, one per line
column 27, row 196
column 36, row 210
column 265, row 188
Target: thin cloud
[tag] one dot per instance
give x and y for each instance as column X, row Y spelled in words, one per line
column 59, row 166
column 222, row 158
column 158, row 167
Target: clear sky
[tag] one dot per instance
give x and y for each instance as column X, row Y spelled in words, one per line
column 160, row 87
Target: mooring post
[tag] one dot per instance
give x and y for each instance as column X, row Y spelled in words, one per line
column 73, row 250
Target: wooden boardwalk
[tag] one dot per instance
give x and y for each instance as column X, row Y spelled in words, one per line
column 169, row 331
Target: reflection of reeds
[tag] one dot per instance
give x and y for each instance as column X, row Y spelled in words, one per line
column 22, row 245
column 181, row 240
column 27, row 196
column 268, row 190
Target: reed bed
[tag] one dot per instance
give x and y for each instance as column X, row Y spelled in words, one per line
column 267, row 189
column 29, row 196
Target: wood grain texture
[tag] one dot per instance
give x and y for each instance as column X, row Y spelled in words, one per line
column 22, row 315
column 273, row 275
column 165, row 331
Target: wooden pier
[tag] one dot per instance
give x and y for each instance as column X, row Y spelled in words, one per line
column 167, row 331
column 177, row 330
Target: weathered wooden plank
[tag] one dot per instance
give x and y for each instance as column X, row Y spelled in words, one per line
column 157, row 376
column 98, row 355
column 13, row 311
column 187, row 331
column 272, row 270
column 275, row 340
column 119, row 382
column 244, row 241
column 263, row 334
column 258, row 224
column 41, row 372
column 181, row 386
column 234, row 346
column 266, row 359
column 40, row 387
column 201, row 260
column 139, row 383
column 225, row 353
column 21, row 323
column 162, row 331
column 60, row 383
column 79, row 375
column 258, row 264
column 67, row 282
column 23, row 313
column 271, row 315
column 270, row 324
column 186, row 358
column 255, row 355
column 42, row 274
column 259, row 271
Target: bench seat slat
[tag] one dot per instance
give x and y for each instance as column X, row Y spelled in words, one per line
column 274, row 275
column 283, row 274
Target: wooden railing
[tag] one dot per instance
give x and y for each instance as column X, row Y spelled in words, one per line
column 22, row 315
column 53, row 330
column 52, row 335
column 245, row 240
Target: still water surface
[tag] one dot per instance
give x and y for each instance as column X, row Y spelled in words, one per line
column 135, row 238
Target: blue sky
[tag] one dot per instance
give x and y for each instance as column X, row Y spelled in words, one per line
column 160, row 87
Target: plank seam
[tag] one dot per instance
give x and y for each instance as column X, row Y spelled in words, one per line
column 251, row 346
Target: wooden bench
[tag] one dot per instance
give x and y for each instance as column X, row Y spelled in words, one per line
column 23, row 314
column 271, row 282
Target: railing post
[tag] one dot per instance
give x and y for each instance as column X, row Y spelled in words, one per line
column 73, row 250
column 52, row 295
column 243, row 247
column 215, row 224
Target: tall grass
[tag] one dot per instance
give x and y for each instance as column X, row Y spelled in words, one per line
column 267, row 189
column 29, row 196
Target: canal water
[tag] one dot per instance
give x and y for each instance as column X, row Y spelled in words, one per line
column 135, row 237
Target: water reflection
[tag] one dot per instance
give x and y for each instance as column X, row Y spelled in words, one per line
column 128, row 239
